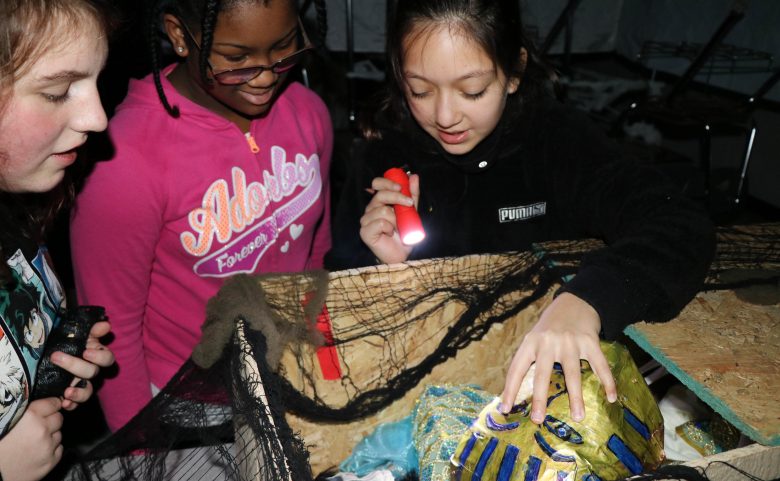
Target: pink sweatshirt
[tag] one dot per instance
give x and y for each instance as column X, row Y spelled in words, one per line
column 183, row 204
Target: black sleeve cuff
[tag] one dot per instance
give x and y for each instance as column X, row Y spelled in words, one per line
column 613, row 297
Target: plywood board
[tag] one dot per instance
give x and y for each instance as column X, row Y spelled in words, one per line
column 762, row 462
column 725, row 347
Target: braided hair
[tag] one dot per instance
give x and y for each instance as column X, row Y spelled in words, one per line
column 322, row 18
column 202, row 14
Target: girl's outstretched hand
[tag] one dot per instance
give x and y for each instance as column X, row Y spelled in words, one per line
column 567, row 331
column 95, row 356
column 378, row 228
column 34, row 445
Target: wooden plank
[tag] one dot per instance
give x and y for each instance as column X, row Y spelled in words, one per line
column 725, row 347
column 763, row 462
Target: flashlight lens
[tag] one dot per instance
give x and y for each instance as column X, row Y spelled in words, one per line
column 407, row 219
column 413, row 237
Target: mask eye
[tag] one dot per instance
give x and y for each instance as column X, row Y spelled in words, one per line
column 562, row 430
column 550, row 451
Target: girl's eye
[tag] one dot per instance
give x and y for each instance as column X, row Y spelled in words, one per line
column 284, row 45
column 475, row 96
column 418, row 95
column 56, row 98
column 234, row 58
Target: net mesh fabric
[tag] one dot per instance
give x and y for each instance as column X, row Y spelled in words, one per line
column 232, row 418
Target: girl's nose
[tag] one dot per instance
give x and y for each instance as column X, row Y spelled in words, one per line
column 447, row 114
column 265, row 79
column 91, row 117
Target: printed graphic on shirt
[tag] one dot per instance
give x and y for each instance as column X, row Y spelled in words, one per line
column 523, row 212
column 28, row 312
column 13, row 387
column 235, row 214
column 38, row 275
column 52, row 287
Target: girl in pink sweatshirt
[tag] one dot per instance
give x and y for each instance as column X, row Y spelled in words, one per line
column 220, row 168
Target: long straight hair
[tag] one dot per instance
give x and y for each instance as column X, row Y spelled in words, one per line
column 495, row 25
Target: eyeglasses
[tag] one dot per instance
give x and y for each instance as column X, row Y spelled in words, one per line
column 243, row 75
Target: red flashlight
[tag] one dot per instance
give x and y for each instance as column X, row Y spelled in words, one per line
column 406, row 217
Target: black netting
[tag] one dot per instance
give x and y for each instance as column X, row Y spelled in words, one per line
column 224, row 422
column 224, row 418
column 745, row 256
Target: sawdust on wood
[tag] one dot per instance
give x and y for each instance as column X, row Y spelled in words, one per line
column 732, row 349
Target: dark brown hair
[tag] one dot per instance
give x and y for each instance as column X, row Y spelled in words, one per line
column 495, row 25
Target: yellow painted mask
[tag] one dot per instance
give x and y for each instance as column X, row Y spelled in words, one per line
column 612, row 442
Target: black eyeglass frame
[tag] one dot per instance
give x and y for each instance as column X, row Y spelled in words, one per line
column 284, row 64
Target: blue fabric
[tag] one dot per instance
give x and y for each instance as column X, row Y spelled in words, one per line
column 441, row 417
column 389, row 447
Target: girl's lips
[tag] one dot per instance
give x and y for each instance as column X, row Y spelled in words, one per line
column 454, row 137
column 66, row 158
column 257, row 99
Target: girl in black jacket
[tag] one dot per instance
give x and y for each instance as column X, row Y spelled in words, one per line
column 498, row 164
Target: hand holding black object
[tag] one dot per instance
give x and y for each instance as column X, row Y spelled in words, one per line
column 70, row 337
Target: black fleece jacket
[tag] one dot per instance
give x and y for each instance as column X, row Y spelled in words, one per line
column 547, row 174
